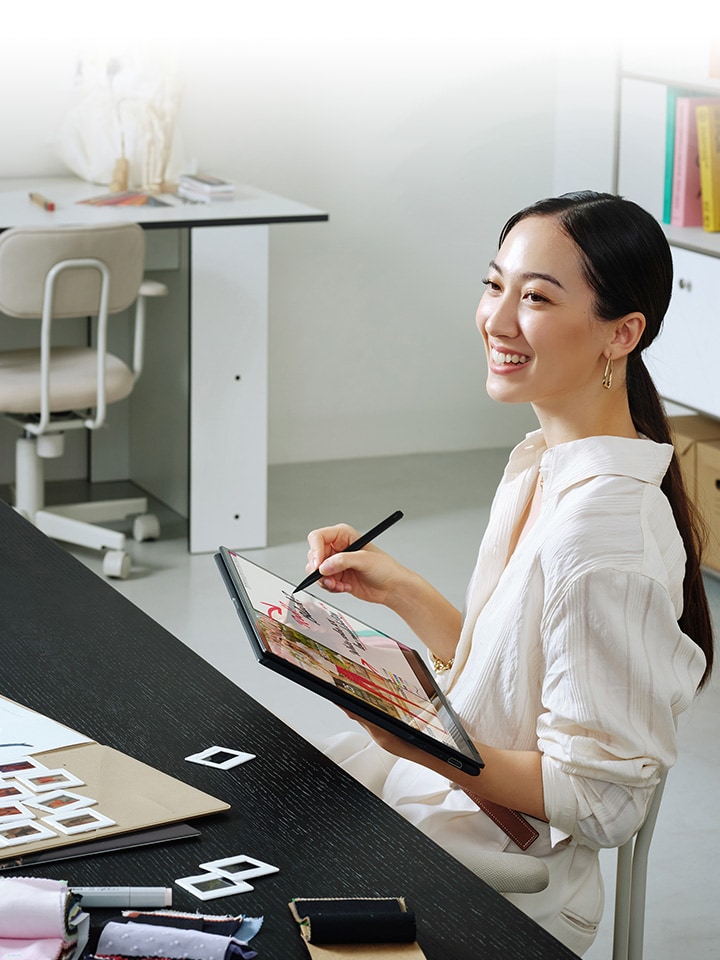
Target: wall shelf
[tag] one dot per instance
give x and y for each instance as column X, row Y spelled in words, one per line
column 681, row 360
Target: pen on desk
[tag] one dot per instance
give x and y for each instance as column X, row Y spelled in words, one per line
column 124, row 896
column 358, row 544
column 42, row 201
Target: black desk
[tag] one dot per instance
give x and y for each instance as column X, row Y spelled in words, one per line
column 76, row 650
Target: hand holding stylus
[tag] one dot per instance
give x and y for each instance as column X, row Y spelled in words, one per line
column 356, row 544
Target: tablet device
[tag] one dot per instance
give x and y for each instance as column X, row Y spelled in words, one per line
column 344, row 660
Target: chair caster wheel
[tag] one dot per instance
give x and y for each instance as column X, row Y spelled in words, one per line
column 146, row 527
column 117, row 564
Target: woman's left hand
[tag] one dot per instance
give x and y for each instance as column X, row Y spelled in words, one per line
column 512, row 778
column 396, row 745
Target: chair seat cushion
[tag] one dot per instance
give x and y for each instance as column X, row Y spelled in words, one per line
column 73, row 380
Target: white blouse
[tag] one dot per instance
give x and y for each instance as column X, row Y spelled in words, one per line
column 573, row 647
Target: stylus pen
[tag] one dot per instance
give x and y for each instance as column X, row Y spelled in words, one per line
column 358, row 544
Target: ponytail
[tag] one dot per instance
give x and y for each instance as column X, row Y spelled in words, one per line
column 651, row 420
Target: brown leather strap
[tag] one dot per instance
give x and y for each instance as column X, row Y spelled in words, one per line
column 514, row 824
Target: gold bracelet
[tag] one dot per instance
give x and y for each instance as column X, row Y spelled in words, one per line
column 440, row 666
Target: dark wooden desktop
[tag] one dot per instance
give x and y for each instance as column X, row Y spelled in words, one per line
column 76, row 650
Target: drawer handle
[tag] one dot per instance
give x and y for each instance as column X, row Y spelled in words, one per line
column 684, row 284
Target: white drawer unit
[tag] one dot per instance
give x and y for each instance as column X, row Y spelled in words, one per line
column 683, row 359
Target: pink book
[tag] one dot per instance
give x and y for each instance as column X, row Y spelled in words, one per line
column 686, row 202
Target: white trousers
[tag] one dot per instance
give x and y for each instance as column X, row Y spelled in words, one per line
column 570, row 906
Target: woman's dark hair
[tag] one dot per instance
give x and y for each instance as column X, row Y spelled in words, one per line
column 627, row 262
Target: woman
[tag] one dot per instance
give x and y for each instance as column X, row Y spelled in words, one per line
column 586, row 629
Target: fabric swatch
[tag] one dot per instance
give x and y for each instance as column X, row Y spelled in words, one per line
column 172, row 943
column 40, row 919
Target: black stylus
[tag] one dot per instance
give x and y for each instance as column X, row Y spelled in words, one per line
column 358, row 544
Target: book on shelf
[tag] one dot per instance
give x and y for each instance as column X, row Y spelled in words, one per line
column 686, row 210
column 708, row 133
column 204, row 188
column 673, row 93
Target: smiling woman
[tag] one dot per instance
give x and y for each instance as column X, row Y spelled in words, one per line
column 617, row 267
column 586, row 628
column 544, row 343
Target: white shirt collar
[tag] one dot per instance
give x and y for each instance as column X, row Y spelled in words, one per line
column 569, row 463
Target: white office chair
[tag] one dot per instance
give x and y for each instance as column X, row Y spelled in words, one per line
column 519, row 873
column 631, row 885
column 504, row 872
column 48, row 274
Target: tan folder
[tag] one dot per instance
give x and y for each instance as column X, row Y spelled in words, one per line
column 133, row 794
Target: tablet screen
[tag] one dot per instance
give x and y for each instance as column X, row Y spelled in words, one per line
column 345, row 658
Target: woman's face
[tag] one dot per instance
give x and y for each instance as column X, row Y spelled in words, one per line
column 544, row 344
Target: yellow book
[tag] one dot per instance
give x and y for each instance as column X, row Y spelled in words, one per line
column 708, row 127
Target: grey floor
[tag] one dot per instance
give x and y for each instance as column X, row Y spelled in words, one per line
column 446, row 499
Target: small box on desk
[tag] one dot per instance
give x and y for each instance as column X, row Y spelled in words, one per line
column 688, row 433
column 708, row 498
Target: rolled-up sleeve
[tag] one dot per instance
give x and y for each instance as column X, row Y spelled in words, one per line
column 618, row 670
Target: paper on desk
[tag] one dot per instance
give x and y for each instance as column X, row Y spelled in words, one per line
column 24, row 732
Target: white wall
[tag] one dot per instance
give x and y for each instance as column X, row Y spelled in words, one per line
column 418, row 157
column 419, row 144
column 586, row 120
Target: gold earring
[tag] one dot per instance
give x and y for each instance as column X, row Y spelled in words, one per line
column 607, row 376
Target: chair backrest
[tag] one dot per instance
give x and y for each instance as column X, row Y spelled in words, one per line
column 28, row 253
column 631, row 885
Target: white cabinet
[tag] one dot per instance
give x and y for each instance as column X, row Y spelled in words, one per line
column 683, row 359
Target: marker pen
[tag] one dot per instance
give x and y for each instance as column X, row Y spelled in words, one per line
column 124, row 896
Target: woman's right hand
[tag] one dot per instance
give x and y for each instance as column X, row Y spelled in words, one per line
column 369, row 574
column 373, row 575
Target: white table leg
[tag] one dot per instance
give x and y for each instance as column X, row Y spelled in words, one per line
column 228, row 386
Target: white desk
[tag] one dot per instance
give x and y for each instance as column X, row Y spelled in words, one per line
column 226, row 383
